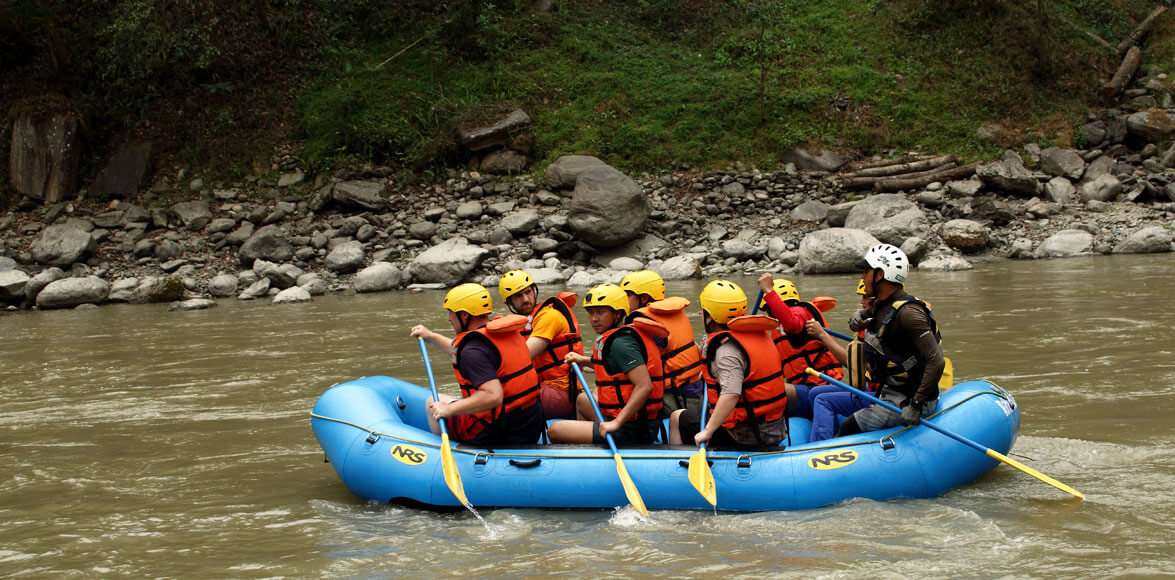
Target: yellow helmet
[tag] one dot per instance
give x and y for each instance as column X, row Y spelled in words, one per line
column 645, row 282
column 786, row 289
column 471, row 298
column 609, row 295
column 513, row 282
column 861, row 287
column 723, row 300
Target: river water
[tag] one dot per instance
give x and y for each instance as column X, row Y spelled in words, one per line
column 141, row 442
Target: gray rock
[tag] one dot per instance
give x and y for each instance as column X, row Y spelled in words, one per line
column 1104, row 188
column 581, row 279
column 835, row 250
column 12, row 285
column 1093, row 133
column 546, row 276
column 547, row 198
column 448, row 262
column 221, row 225
column 346, row 258
column 109, row 219
column 192, row 304
column 810, row 211
column 733, row 189
column 915, row 248
column 40, row 281
column 502, row 132
column 503, row 162
column 607, row 209
column 422, row 230
column 7, row 263
column 378, row 277
column 814, row 159
column 563, row 173
column 499, row 235
column 838, row 213
column 1021, row 250
column 964, row 188
column 292, row 178
column 945, row 263
column 626, row 264
column 741, row 249
column 1062, row 163
column 931, row 199
column 776, row 248
column 267, row 243
column 70, row 292
column 62, row 245
column 681, row 267
column 1060, row 190
column 193, row 214
column 1153, row 125
column 223, row 285
column 1008, row 175
column 366, row 195
column 167, row 250
column 172, row 265
column 44, row 155
column 500, row 209
column 965, row 235
column 1065, row 243
column 1103, row 165
column 154, row 290
column 240, row 235
column 315, row 286
column 292, row 295
column 469, row 210
column 255, row 290
column 890, row 218
column 124, row 290
column 1146, row 240
column 520, row 222
column 543, row 245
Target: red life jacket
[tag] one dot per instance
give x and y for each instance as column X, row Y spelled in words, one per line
column 682, row 359
column 520, row 384
column 614, row 390
column 549, row 363
column 798, row 352
column 764, row 396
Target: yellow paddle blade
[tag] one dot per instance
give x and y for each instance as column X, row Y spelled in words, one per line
column 634, row 496
column 948, row 376
column 1034, row 473
column 701, row 477
column 449, row 468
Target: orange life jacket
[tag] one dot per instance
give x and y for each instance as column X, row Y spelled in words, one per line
column 549, row 363
column 798, row 352
column 682, row 359
column 614, row 390
column 764, row 396
column 520, row 383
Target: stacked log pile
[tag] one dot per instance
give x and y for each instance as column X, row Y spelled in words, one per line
column 1130, row 50
column 909, row 172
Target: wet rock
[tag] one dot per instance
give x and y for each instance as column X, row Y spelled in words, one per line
column 1021, row 250
column 315, row 286
column 1152, row 125
column 193, row 214
column 1104, row 188
column 520, row 222
column 255, row 290
column 810, row 211
column 223, row 285
column 192, row 304
column 70, row 292
column 12, row 285
column 267, row 243
column 814, row 159
column 363, row 195
column 607, row 209
column 44, row 156
column 1062, row 163
column 1065, row 244
column 40, row 281
column 1060, row 190
column 292, row 296
column 124, row 290
column 1146, row 240
column 965, row 235
column 563, row 173
column 346, row 258
column 470, row 210
column 945, row 263
column 835, row 250
column 154, row 290
column 379, row 277
column 448, row 262
column 890, row 218
column 681, row 267
column 62, row 245
column 1008, row 175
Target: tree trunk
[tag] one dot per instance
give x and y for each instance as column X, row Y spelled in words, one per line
column 907, row 182
column 900, row 168
column 867, row 182
column 1143, row 28
column 1126, row 70
column 855, row 166
column 1099, row 40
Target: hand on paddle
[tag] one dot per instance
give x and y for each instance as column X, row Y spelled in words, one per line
column 440, row 410
column 703, row 436
column 814, row 330
column 766, row 282
column 609, row 427
column 575, row 357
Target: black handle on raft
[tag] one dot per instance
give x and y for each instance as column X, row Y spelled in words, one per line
column 528, row 464
column 685, row 463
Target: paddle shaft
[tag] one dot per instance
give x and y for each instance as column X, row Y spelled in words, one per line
column 595, row 407
column 758, row 300
column 432, row 382
column 705, row 407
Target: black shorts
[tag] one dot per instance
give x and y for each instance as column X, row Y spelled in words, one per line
column 689, row 424
column 520, row 427
column 631, row 433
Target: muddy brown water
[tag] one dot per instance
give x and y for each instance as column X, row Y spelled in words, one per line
column 141, row 442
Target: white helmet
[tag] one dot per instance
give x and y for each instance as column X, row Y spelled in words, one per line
column 892, row 262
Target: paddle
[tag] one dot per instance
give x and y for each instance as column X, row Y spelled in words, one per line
column 824, row 303
column 630, row 490
column 758, row 299
column 965, row 441
column 448, row 465
column 699, row 472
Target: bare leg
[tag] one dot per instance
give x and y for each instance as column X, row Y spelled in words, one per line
column 572, row 431
column 674, row 431
column 583, row 408
column 432, row 423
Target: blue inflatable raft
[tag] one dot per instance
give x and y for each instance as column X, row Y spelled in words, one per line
column 375, row 435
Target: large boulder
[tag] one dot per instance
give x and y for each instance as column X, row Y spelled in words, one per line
column 12, row 285
column 1060, row 190
column 378, row 277
column 40, row 281
column 566, row 170
column 62, row 245
column 363, row 195
column 448, row 262
column 520, row 222
column 267, row 243
column 292, row 295
column 154, row 290
column 193, row 214
column 945, row 263
column 1008, row 175
column 126, row 171
column 889, row 217
column 1152, row 125
column 223, row 285
column 1065, row 244
column 510, row 130
column 1104, row 188
column 1062, row 163
column 965, row 235
column 608, row 208
column 1147, row 240
column 834, row 251
column 679, row 268
column 814, row 159
column 44, row 156
column 70, row 292
column 742, row 249
column 810, row 211
column 346, row 257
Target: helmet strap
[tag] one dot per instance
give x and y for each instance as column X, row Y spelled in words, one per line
column 464, row 318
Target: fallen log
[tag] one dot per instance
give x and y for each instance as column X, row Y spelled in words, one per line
column 854, row 166
column 900, row 183
column 901, row 168
column 1097, row 39
column 870, row 181
column 1141, row 30
column 1125, row 72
